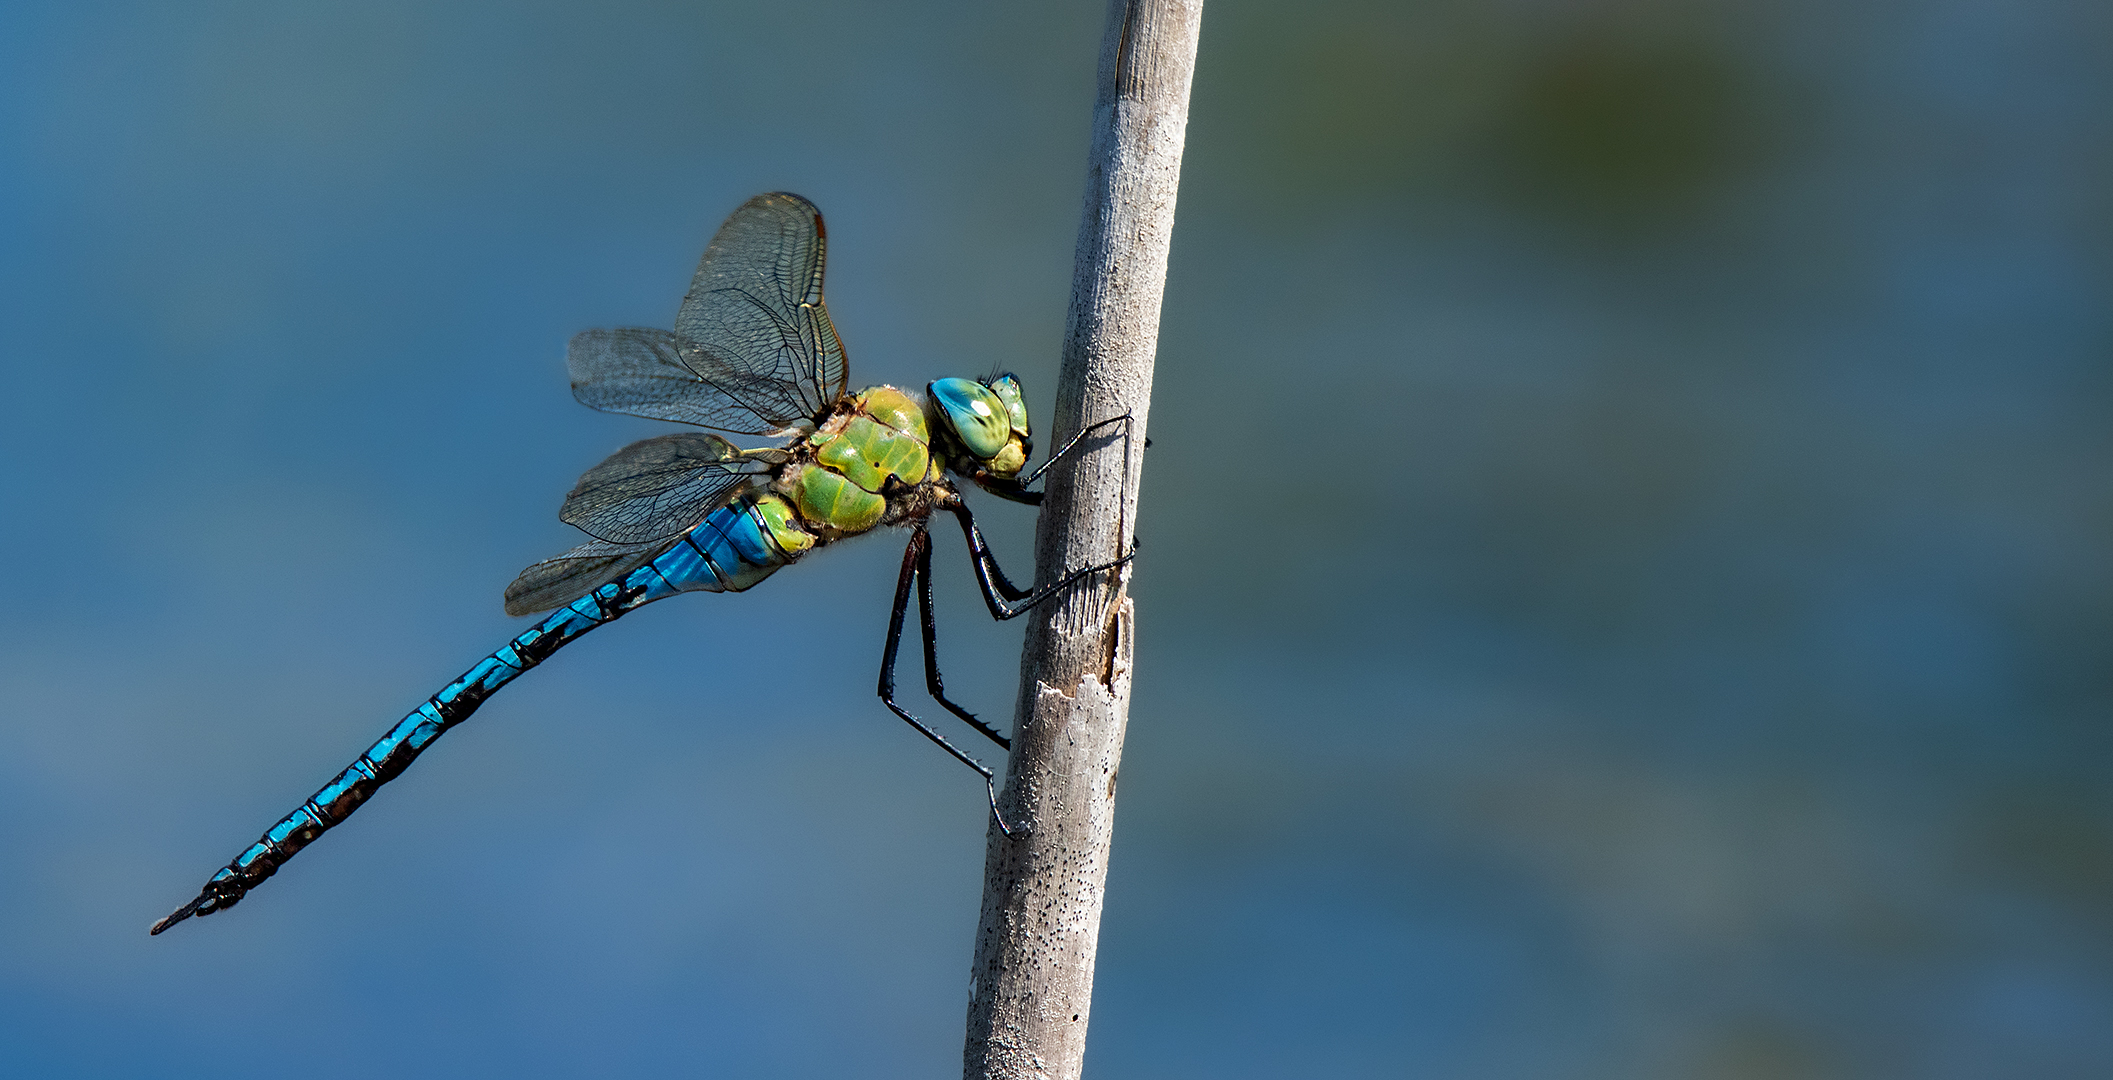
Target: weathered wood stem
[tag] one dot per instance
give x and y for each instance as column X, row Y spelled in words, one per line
column 1032, row 983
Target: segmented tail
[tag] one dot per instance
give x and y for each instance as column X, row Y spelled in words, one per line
column 386, row 759
column 733, row 548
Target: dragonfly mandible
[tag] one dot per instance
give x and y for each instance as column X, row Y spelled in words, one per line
column 753, row 353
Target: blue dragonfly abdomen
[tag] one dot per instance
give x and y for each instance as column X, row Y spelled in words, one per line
column 733, row 548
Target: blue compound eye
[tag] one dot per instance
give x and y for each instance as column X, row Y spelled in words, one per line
column 976, row 415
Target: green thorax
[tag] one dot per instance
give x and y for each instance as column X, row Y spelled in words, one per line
column 881, row 435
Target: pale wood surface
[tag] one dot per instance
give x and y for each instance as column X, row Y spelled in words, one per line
column 1032, row 980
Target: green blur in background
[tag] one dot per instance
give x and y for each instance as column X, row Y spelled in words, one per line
column 1625, row 588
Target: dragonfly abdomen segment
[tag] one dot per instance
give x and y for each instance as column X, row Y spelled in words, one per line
column 732, row 549
column 390, row 756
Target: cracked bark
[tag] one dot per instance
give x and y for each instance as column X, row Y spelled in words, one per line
column 1031, row 984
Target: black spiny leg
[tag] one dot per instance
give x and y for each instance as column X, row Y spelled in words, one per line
column 1065, row 450
column 932, row 681
column 1015, row 488
column 997, row 588
column 916, row 555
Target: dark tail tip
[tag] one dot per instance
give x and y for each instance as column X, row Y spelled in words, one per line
column 177, row 916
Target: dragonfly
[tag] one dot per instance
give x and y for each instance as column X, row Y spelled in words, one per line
column 753, row 352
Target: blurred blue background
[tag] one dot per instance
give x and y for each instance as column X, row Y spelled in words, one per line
column 1626, row 587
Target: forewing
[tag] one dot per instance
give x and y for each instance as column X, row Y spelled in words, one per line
column 559, row 581
column 649, row 373
column 754, row 311
column 657, row 488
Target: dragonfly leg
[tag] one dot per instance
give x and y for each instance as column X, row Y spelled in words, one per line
column 933, row 682
column 1065, row 450
column 916, row 554
column 1015, row 488
column 1004, row 599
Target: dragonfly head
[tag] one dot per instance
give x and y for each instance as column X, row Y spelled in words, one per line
column 987, row 419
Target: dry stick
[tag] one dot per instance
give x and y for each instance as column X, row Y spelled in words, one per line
column 1032, row 983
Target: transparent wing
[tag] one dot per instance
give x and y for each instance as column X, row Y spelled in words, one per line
column 658, row 488
column 650, row 373
column 754, row 310
column 559, row 581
